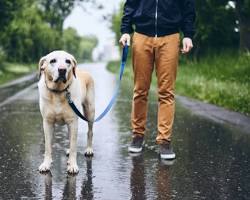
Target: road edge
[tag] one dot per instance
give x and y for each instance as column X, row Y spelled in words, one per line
column 21, row 84
column 216, row 113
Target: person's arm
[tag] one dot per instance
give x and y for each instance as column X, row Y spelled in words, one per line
column 188, row 24
column 128, row 11
column 126, row 23
column 188, row 18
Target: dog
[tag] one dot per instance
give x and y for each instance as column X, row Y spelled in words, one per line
column 58, row 73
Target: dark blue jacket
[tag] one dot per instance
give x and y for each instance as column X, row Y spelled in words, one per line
column 159, row 17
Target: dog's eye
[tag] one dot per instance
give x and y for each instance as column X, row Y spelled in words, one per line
column 53, row 61
column 67, row 61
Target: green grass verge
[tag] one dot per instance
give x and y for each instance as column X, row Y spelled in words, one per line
column 223, row 80
column 11, row 71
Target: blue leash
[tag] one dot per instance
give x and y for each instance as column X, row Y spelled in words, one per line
column 112, row 101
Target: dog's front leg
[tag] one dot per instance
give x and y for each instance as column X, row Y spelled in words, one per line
column 72, row 163
column 89, row 111
column 48, row 131
column 89, row 151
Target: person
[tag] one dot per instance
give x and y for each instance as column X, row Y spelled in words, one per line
column 156, row 42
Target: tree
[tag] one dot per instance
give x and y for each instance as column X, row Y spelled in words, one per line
column 8, row 8
column 116, row 22
column 243, row 15
column 80, row 46
column 215, row 26
column 27, row 37
column 7, row 11
column 87, row 45
column 56, row 11
column 71, row 41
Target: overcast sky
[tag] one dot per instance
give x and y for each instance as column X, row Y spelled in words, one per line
column 89, row 20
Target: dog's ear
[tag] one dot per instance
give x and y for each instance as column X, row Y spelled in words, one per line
column 41, row 66
column 74, row 64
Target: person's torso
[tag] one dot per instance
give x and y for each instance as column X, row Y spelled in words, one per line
column 157, row 17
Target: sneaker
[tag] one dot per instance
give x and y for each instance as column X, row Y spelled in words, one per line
column 166, row 151
column 136, row 144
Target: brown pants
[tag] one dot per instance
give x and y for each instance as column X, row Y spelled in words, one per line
column 163, row 52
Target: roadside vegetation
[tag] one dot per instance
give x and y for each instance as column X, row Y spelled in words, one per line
column 30, row 29
column 223, row 80
column 218, row 69
column 11, row 71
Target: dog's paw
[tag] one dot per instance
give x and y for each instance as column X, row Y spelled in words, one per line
column 89, row 152
column 44, row 167
column 72, row 168
column 67, row 152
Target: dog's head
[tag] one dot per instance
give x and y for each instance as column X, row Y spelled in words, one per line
column 58, row 66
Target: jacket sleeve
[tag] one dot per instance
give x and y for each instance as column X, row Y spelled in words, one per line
column 188, row 18
column 129, row 9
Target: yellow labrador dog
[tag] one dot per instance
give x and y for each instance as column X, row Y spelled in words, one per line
column 58, row 73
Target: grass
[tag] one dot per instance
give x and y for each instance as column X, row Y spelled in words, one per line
column 222, row 79
column 11, row 71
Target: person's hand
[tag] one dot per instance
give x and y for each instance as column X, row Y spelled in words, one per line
column 125, row 38
column 187, row 45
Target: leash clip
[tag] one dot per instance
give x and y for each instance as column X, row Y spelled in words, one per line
column 68, row 96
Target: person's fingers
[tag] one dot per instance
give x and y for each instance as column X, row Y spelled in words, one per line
column 125, row 39
column 122, row 42
column 190, row 46
column 187, row 46
column 184, row 47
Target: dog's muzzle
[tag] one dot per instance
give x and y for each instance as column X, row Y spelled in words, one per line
column 62, row 75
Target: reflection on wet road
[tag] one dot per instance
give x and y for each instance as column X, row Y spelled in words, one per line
column 213, row 160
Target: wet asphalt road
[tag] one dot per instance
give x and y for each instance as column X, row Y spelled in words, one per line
column 213, row 160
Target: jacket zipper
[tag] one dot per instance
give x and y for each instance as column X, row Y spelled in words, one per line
column 156, row 17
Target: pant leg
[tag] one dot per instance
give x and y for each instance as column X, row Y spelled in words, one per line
column 167, row 56
column 143, row 58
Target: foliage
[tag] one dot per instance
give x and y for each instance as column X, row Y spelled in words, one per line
column 7, row 11
column 116, row 22
column 221, row 79
column 27, row 37
column 71, row 41
column 216, row 25
column 10, row 71
column 55, row 12
column 80, row 47
column 31, row 29
column 2, row 57
column 87, row 44
column 243, row 14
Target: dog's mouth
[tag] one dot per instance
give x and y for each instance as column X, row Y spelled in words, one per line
column 61, row 79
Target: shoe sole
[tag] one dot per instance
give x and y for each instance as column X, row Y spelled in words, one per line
column 134, row 150
column 167, row 156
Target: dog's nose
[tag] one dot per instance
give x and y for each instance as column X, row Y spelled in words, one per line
column 62, row 71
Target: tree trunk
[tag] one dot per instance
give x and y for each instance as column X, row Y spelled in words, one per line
column 244, row 26
column 245, row 35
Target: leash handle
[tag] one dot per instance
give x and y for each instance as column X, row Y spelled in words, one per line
column 125, row 53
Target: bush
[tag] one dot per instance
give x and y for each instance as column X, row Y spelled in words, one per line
column 27, row 37
column 2, row 57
